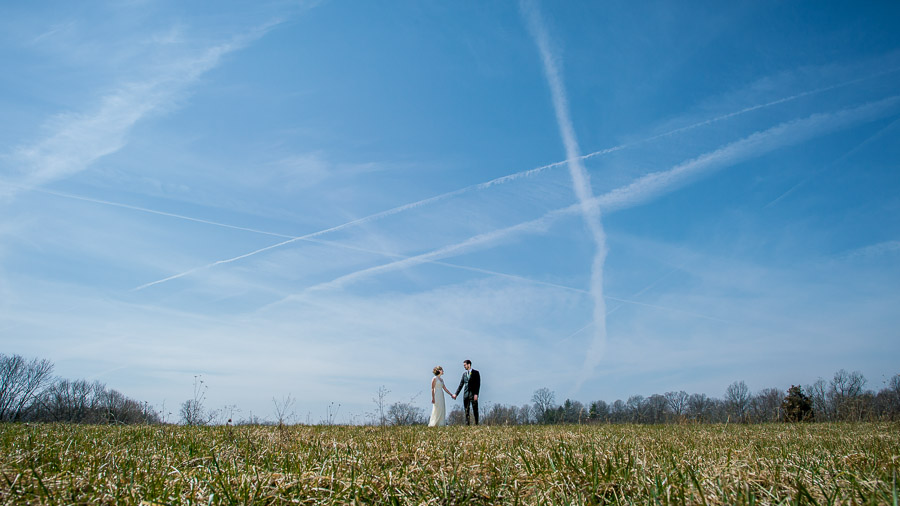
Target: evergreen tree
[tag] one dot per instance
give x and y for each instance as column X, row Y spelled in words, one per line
column 797, row 406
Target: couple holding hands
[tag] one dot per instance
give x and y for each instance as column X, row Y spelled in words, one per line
column 470, row 384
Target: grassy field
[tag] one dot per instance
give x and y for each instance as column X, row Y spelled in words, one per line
column 713, row 464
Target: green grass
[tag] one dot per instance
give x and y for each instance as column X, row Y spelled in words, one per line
column 713, row 464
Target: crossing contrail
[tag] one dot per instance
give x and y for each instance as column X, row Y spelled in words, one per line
column 502, row 180
column 640, row 191
column 652, row 185
column 481, row 240
column 312, row 240
column 580, row 182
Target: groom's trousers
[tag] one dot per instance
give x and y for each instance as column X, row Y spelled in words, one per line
column 469, row 401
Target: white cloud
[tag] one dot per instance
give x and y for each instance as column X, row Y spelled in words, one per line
column 76, row 140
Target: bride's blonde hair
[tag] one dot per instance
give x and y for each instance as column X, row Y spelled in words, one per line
column 437, row 370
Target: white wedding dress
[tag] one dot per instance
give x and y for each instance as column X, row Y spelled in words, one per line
column 438, row 409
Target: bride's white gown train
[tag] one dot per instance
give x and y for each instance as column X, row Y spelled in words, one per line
column 438, row 409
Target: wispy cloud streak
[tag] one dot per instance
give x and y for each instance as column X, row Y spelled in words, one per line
column 78, row 140
column 874, row 251
column 580, row 182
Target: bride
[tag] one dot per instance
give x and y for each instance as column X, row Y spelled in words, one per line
column 438, row 409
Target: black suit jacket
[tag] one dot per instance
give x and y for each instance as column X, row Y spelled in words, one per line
column 472, row 385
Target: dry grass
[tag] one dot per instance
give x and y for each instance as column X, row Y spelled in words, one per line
column 767, row 464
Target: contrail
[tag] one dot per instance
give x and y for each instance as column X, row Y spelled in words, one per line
column 651, row 185
column 656, row 306
column 835, row 162
column 746, row 110
column 640, row 191
column 144, row 210
column 580, row 182
column 430, row 258
column 654, row 184
column 265, row 232
column 646, row 288
column 535, row 226
column 504, row 179
column 254, row 252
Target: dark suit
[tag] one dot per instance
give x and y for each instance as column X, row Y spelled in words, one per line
column 471, row 382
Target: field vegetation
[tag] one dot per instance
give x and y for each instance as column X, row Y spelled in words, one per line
column 824, row 463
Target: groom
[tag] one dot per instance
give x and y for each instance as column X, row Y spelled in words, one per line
column 471, row 381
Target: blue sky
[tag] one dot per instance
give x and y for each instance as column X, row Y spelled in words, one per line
column 322, row 198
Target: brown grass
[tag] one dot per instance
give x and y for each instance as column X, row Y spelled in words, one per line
column 711, row 464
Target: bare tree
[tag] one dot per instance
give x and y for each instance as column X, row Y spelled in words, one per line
column 111, row 404
column 618, row 412
column 20, row 383
column 70, row 400
column 677, row 402
column 524, row 416
column 78, row 401
column 765, row 406
column 817, row 396
column 404, row 413
column 456, row 416
column 657, row 408
column 499, row 414
column 636, row 406
column 894, row 385
column 544, row 404
column 737, row 401
column 699, row 407
column 892, row 394
column 844, row 392
column 112, row 407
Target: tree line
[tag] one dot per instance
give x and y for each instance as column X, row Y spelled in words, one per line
column 842, row 398
column 30, row 393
